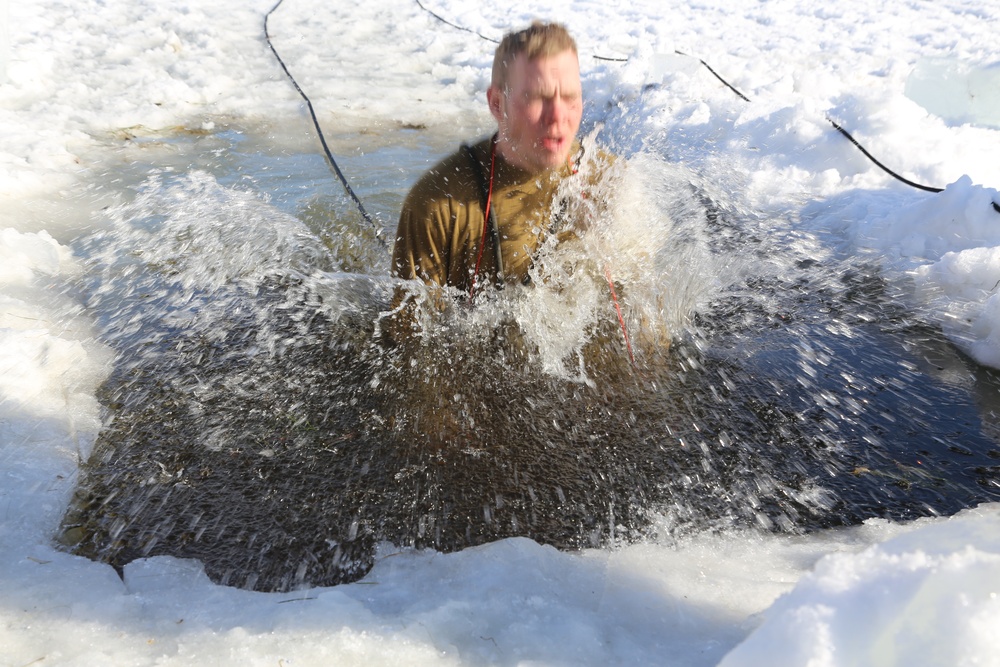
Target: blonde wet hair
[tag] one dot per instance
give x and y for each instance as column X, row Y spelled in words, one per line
column 539, row 40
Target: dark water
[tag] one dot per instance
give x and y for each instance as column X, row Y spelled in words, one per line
column 257, row 423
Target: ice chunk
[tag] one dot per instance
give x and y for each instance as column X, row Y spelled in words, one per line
column 957, row 92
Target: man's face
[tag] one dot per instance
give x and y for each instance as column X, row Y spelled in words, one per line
column 539, row 111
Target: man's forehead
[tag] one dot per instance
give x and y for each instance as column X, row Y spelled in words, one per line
column 543, row 70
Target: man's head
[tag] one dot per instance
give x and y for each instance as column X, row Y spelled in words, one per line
column 536, row 96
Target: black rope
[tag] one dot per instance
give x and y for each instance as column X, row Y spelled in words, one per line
column 717, row 76
column 857, row 144
column 884, row 168
column 844, row 132
column 490, row 39
column 326, row 149
column 605, row 58
column 455, row 25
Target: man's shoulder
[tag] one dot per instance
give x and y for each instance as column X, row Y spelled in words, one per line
column 454, row 177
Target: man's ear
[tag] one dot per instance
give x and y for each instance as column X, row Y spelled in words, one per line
column 495, row 99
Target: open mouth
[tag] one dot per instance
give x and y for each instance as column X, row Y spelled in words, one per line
column 553, row 144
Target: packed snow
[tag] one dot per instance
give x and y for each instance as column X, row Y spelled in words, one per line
column 90, row 87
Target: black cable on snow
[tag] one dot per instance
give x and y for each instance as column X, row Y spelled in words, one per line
column 326, row 149
column 717, row 76
column 455, row 25
column 490, row 39
column 884, row 168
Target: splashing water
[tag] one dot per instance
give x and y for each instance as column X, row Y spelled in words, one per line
column 258, row 424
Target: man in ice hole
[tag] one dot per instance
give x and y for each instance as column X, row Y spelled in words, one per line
column 479, row 216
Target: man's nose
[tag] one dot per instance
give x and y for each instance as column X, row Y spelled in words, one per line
column 556, row 110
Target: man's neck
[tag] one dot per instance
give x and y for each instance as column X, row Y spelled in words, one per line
column 509, row 159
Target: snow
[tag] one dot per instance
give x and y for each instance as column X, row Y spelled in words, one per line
column 89, row 87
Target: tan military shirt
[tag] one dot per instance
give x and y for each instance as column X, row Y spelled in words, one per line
column 441, row 223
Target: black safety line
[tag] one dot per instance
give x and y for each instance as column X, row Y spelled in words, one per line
column 326, row 149
column 490, row 39
column 884, row 168
column 717, row 76
column 455, row 25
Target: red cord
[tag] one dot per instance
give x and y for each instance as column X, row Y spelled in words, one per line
column 621, row 318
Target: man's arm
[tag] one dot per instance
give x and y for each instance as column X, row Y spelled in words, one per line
column 421, row 249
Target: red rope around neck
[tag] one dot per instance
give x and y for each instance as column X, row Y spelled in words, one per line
column 486, row 220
